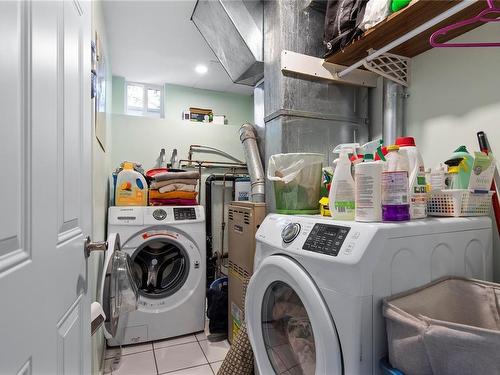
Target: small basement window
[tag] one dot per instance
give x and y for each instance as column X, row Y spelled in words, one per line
column 142, row 99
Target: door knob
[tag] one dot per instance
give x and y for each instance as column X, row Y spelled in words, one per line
column 90, row 246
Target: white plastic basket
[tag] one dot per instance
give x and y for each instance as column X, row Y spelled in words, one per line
column 458, row 203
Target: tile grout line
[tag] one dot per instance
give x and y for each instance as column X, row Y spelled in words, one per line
column 201, row 348
column 124, row 355
column 185, row 368
column 213, row 368
column 154, row 357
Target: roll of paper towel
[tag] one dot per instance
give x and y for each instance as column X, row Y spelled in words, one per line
column 97, row 316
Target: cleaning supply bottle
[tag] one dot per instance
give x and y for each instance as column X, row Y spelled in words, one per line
column 131, row 187
column 452, row 180
column 464, row 160
column 341, row 196
column 395, row 202
column 416, row 175
column 368, row 189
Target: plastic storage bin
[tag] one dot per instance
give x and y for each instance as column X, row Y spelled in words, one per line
column 297, row 182
column 458, row 203
column 448, row 327
column 387, row 369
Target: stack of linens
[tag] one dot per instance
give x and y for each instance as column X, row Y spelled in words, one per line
column 174, row 189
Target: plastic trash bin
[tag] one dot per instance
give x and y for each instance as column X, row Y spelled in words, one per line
column 217, row 306
column 448, row 327
column 297, row 182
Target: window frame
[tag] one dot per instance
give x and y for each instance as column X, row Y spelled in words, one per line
column 145, row 111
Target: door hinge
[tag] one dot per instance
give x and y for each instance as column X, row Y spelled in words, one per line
column 90, row 246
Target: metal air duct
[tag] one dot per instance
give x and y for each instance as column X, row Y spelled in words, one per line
column 233, row 30
column 254, row 164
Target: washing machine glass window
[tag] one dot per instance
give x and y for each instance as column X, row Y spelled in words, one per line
column 118, row 292
column 161, row 267
column 287, row 331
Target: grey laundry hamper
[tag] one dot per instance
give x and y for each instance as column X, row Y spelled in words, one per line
column 448, row 327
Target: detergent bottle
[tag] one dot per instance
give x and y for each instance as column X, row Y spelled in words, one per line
column 462, row 159
column 395, row 202
column 416, row 177
column 131, row 187
column 341, row 196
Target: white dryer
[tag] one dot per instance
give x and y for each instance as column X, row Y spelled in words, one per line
column 313, row 305
column 167, row 261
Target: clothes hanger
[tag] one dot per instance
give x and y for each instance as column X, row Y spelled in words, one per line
column 481, row 17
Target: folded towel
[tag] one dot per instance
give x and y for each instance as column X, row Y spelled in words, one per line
column 155, row 194
column 186, row 181
column 175, row 175
column 176, row 187
column 173, row 202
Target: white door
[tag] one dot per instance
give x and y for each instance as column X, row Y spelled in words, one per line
column 45, row 195
column 288, row 323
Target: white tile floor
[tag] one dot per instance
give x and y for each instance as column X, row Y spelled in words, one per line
column 185, row 355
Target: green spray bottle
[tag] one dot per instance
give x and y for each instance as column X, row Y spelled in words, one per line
column 462, row 159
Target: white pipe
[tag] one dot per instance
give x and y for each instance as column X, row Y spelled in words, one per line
column 427, row 25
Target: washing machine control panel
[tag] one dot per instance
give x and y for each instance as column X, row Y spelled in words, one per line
column 187, row 213
column 326, row 239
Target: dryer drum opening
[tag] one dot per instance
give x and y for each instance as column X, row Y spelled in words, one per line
column 161, row 268
column 287, row 331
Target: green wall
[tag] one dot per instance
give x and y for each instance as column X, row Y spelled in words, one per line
column 237, row 108
column 118, row 95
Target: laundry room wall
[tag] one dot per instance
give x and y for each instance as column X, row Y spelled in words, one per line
column 140, row 139
column 454, row 93
column 237, row 108
column 100, row 170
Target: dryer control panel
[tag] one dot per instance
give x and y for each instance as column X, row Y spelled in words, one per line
column 326, row 239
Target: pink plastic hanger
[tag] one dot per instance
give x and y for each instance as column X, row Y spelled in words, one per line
column 481, row 17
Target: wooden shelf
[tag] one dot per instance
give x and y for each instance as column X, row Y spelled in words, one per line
column 402, row 22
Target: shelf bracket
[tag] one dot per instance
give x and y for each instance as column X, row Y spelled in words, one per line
column 315, row 67
column 391, row 66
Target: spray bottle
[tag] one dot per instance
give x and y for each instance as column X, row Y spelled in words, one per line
column 372, row 148
column 341, row 197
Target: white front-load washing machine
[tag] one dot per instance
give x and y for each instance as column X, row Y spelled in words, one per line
column 314, row 302
column 167, row 262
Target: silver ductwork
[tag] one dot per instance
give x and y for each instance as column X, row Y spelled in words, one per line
column 393, row 111
column 254, row 164
column 233, row 30
column 305, row 115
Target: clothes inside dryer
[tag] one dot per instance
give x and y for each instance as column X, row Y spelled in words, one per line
column 287, row 331
column 161, row 268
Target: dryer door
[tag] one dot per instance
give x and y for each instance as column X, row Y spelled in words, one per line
column 118, row 294
column 289, row 326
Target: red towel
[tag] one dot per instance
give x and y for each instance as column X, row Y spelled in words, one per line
column 173, row 202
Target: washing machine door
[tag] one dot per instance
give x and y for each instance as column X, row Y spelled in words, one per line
column 118, row 292
column 289, row 325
